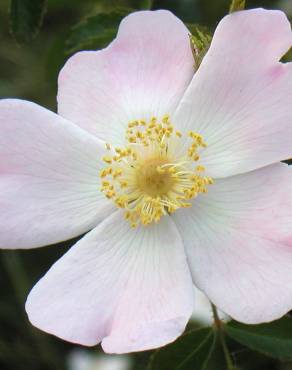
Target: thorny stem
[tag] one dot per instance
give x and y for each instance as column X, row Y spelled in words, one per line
column 219, row 327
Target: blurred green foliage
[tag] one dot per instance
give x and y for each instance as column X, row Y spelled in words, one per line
column 29, row 70
column 198, row 349
column 96, row 30
column 26, row 18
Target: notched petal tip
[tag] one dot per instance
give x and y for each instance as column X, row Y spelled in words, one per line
column 143, row 72
column 117, row 287
column 146, row 337
column 269, row 28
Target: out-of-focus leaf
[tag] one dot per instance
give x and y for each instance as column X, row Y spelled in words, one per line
column 96, row 31
column 200, row 39
column 272, row 339
column 26, row 17
column 146, row 4
column 236, row 5
column 197, row 349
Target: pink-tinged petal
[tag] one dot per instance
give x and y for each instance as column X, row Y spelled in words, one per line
column 143, row 73
column 129, row 288
column 240, row 98
column 49, row 177
column 239, row 243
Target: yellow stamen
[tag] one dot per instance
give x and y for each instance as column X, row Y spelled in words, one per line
column 147, row 178
column 107, row 159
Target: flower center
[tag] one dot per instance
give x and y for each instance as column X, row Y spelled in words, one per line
column 148, row 178
column 151, row 179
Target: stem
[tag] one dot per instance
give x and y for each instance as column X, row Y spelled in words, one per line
column 236, row 5
column 219, row 326
column 21, row 286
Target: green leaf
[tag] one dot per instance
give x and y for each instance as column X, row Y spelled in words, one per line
column 95, row 32
column 215, row 358
column 200, row 39
column 236, row 5
column 246, row 359
column 26, row 18
column 272, row 339
column 198, row 349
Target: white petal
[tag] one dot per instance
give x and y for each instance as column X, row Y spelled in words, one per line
column 129, row 288
column 143, row 73
column 240, row 98
column 49, row 177
column 238, row 239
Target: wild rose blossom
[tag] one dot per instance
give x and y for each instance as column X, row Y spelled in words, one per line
column 178, row 176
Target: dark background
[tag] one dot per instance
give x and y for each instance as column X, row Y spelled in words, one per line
column 30, row 72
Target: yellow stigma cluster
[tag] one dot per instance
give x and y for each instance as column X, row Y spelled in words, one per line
column 148, row 178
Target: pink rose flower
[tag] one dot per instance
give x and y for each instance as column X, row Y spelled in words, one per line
column 178, row 177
